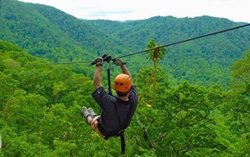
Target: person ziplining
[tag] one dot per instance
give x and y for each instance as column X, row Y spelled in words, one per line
column 116, row 111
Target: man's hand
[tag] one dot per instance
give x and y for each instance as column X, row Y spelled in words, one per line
column 99, row 61
column 118, row 62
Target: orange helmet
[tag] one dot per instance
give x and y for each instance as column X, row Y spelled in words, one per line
column 122, row 83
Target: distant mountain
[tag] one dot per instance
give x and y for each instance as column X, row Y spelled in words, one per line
column 50, row 33
column 169, row 29
column 204, row 60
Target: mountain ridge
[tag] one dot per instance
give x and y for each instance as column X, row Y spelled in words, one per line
column 50, row 33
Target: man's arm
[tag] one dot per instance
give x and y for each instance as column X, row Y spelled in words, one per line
column 123, row 67
column 125, row 70
column 98, row 72
column 98, row 76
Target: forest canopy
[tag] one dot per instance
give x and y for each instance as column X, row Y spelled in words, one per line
column 194, row 98
column 40, row 113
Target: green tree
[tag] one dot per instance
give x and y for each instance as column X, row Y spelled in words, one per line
column 241, row 75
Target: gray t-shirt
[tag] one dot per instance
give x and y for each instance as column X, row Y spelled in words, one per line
column 110, row 124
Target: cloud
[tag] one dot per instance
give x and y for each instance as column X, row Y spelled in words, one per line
column 140, row 9
column 109, row 13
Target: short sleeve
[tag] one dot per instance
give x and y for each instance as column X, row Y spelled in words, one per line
column 100, row 96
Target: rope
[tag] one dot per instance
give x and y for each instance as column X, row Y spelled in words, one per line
column 167, row 45
column 80, row 62
column 186, row 40
column 145, row 132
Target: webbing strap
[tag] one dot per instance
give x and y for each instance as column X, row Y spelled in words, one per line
column 123, row 143
column 121, row 133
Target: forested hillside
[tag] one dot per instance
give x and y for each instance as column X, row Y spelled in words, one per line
column 50, row 33
column 40, row 113
column 203, row 61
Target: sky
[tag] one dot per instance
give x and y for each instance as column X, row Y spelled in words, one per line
column 121, row 10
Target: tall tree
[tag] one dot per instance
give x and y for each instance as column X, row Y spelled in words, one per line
column 241, row 75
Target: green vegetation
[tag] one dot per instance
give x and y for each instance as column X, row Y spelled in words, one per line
column 40, row 114
column 241, row 75
column 52, row 34
column 205, row 61
column 194, row 98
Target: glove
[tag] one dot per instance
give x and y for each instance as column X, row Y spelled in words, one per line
column 118, row 62
column 99, row 61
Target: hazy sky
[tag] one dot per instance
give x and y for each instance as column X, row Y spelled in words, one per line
column 236, row 10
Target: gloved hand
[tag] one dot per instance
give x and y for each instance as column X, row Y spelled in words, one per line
column 118, row 62
column 99, row 61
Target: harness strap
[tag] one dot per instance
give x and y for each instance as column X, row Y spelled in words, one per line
column 123, row 143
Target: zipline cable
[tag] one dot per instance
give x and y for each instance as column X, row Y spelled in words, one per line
column 167, row 45
column 79, row 62
column 186, row 40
